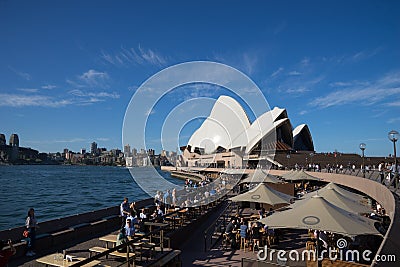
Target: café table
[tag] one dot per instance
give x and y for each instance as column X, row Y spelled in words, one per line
column 55, row 259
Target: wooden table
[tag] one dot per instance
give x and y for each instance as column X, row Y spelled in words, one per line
column 109, row 239
column 49, row 260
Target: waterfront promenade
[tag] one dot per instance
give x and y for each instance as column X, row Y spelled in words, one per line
column 193, row 253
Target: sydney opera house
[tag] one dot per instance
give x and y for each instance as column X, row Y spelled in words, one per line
column 227, row 138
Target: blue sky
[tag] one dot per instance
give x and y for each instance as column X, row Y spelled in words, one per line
column 68, row 69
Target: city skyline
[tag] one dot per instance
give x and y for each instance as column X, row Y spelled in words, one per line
column 69, row 69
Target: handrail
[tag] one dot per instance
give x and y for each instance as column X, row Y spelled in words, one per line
column 216, row 225
column 125, row 245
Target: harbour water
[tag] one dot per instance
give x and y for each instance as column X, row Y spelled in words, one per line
column 57, row 191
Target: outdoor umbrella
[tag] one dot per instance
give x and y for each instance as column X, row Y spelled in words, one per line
column 344, row 192
column 263, row 194
column 299, row 176
column 260, row 176
column 317, row 213
column 332, row 196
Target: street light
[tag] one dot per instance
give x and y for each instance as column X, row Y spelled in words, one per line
column 394, row 136
column 311, row 158
column 362, row 147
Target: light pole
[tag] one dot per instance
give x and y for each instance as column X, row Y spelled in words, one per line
column 311, row 159
column 394, row 136
column 362, row 147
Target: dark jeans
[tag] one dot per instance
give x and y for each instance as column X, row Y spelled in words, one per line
column 32, row 238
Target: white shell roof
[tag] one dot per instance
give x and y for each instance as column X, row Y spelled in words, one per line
column 265, row 130
column 225, row 123
column 298, row 130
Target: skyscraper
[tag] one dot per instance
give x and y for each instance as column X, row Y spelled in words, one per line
column 93, row 148
column 127, row 150
column 14, row 140
column 2, row 140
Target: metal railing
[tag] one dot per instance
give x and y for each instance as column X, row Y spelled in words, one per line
column 378, row 176
column 216, row 230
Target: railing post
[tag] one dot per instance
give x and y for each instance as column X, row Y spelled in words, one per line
column 205, row 241
column 162, row 240
column 127, row 256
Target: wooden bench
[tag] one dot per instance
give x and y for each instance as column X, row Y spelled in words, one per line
column 114, row 253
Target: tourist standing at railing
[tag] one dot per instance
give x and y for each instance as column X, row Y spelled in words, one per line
column 174, row 198
column 381, row 168
column 124, row 210
column 31, row 225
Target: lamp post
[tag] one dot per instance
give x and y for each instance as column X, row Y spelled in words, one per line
column 288, row 159
column 362, row 147
column 394, row 136
column 311, row 159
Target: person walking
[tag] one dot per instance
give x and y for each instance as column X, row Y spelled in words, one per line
column 31, row 225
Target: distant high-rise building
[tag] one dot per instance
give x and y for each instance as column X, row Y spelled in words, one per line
column 127, row 150
column 14, row 140
column 134, row 152
column 2, row 140
column 151, row 152
column 93, row 148
column 163, row 153
column 83, row 151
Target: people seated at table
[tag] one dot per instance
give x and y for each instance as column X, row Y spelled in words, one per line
column 122, row 239
column 158, row 214
column 230, row 231
column 129, row 228
column 143, row 214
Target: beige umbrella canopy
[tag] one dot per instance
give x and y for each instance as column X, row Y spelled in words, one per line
column 332, row 196
column 263, row 194
column 344, row 192
column 299, row 176
column 260, row 176
column 317, row 213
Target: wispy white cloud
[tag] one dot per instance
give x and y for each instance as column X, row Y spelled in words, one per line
column 349, row 84
column 49, row 87
column 80, row 93
column 305, row 62
column 134, row 56
column 73, row 140
column 94, row 78
column 365, row 54
column 250, row 62
column 16, row 100
column 303, row 112
column 103, row 139
column 296, row 86
column 28, row 90
column 394, row 104
column 277, row 72
column 299, row 90
column 376, row 91
column 294, row 73
column 24, row 75
column 393, row 120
